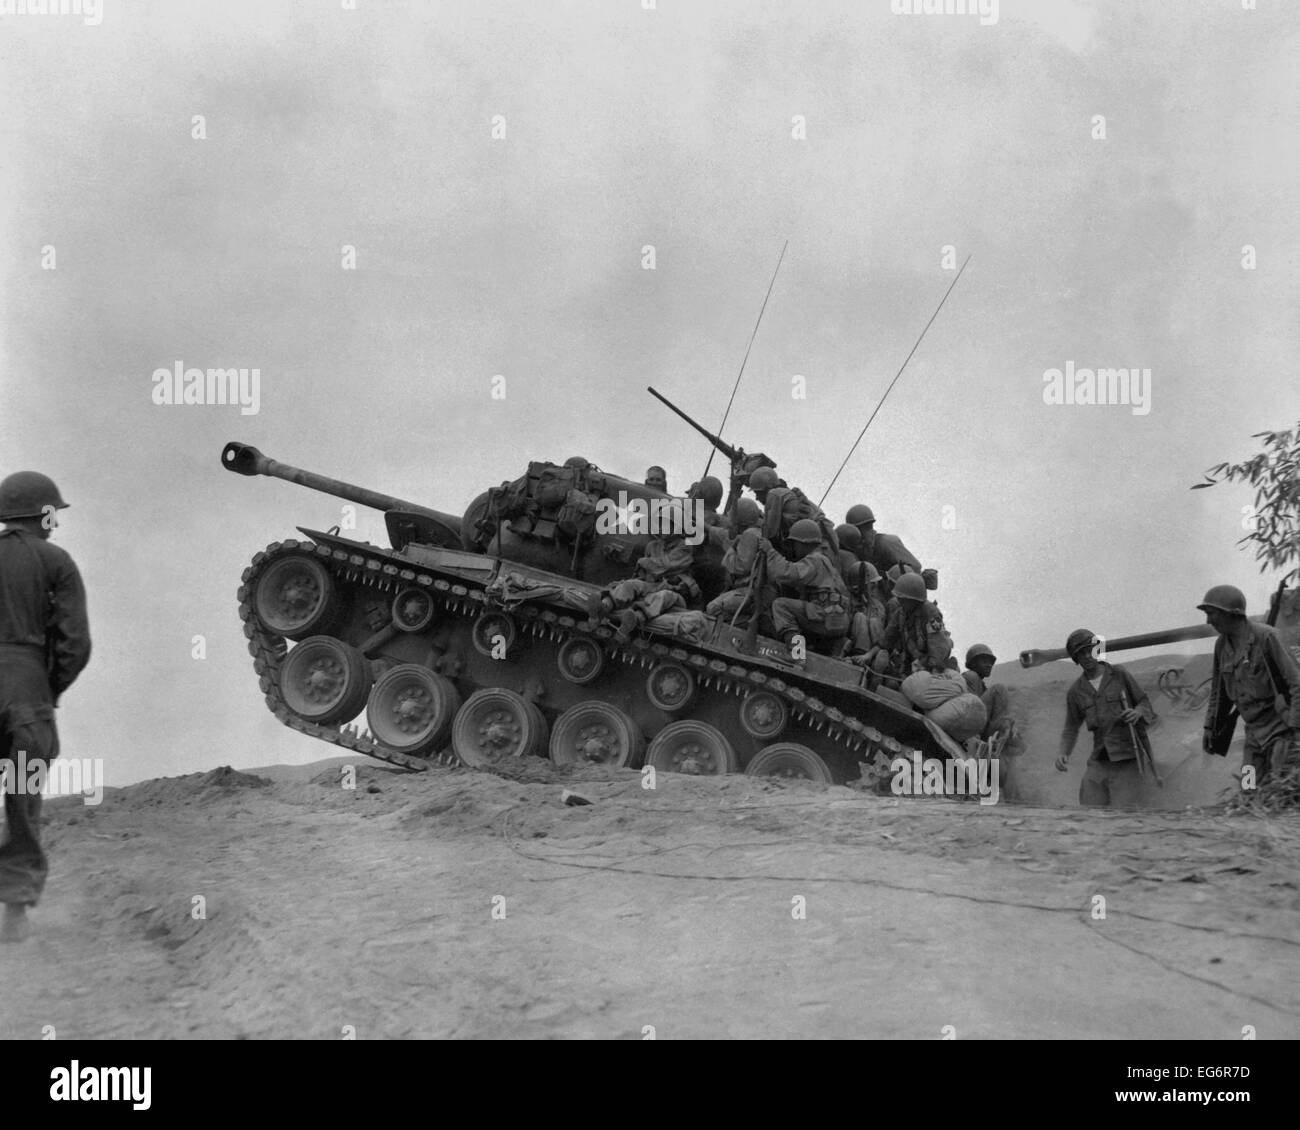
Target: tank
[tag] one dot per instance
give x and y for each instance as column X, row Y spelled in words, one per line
column 476, row 634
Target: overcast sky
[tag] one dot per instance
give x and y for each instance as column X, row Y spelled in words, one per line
column 522, row 255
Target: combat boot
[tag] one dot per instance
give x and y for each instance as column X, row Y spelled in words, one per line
column 627, row 621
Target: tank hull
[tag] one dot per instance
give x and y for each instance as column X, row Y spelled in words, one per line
column 505, row 626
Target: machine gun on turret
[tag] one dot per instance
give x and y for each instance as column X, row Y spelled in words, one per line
column 742, row 463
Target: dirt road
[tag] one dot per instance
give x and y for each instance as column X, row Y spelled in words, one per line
column 458, row 904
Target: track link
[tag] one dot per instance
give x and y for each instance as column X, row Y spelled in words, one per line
column 374, row 568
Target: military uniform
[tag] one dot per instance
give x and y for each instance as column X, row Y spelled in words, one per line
column 916, row 638
column 1112, row 776
column 867, row 633
column 739, row 561
column 885, row 551
column 784, row 506
column 997, row 701
column 44, row 644
column 665, row 557
column 1251, row 679
column 821, row 611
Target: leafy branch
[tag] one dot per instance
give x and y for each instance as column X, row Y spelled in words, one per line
column 1275, row 516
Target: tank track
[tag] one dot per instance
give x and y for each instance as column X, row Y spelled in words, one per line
column 382, row 570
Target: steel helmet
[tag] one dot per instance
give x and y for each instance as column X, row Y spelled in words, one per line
column 710, row 490
column 805, row 530
column 1226, row 598
column 910, row 587
column 1081, row 639
column 976, row 650
column 763, row 478
column 859, row 515
column 575, row 461
column 747, row 515
column 861, row 574
column 26, row 494
column 850, row 537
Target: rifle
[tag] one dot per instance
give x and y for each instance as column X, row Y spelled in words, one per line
column 741, row 462
column 1276, row 607
column 1146, row 763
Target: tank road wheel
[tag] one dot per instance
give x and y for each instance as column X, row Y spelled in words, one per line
column 411, row 709
column 294, row 596
column 495, row 725
column 688, row 746
column 670, row 687
column 325, row 680
column 789, row 759
column 580, row 660
column 412, row 610
column 494, row 631
column 763, row 715
column 598, row 733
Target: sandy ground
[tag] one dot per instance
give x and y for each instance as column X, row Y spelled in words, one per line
column 372, row 909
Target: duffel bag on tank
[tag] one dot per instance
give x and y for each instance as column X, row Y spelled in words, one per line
column 928, row 689
column 961, row 718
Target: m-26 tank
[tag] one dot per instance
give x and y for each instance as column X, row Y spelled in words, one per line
column 480, row 635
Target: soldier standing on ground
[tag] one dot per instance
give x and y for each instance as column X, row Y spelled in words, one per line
column 1252, row 672
column 1109, row 700
column 980, row 662
column 44, row 644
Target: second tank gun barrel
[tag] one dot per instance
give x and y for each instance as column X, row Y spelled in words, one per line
column 1034, row 657
column 245, row 459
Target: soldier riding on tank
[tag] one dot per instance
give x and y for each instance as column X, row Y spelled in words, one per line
column 820, row 613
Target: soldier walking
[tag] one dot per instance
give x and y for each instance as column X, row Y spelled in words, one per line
column 1109, row 700
column 1254, row 677
column 44, row 644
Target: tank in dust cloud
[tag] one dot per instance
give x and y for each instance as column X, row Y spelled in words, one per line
column 475, row 634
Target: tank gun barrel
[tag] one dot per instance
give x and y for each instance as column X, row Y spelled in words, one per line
column 1034, row 657
column 244, row 459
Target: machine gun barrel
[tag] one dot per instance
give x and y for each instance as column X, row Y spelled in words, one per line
column 244, row 459
column 730, row 452
column 1034, row 657
column 741, row 463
